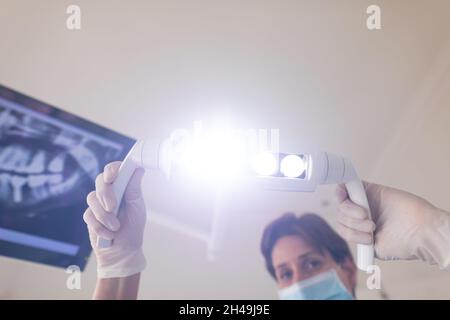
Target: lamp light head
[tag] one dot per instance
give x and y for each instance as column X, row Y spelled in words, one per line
column 272, row 171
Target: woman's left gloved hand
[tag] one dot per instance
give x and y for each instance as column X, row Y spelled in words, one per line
column 404, row 226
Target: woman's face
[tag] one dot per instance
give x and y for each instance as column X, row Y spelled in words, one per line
column 295, row 260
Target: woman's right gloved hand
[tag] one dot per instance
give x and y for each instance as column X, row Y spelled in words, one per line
column 403, row 225
column 125, row 257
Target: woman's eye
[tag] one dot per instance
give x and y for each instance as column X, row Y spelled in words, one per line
column 285, row 275
column 313, row 265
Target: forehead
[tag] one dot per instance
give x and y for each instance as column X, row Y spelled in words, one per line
column 289, row 248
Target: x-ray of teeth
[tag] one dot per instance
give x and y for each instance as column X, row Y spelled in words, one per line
column 47, row 168
column 40, row 163
column 34, row 169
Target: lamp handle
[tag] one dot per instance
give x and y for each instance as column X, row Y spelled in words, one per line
column 126, row 171
column 365, row 253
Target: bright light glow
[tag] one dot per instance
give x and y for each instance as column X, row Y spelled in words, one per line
column 292, row 166
column 265, row 164
column 217, row 156
column 219, row 153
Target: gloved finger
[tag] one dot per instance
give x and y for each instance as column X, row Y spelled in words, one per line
column 341, row 193
column 110, row 171
column 99, row 189
column 363, row 225
column 105, row 193
column 353, row 210
column 353, row 235
column 108, row 219
column 134, row 191
column 95, row 226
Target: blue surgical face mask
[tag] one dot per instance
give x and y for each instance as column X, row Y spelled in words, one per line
column 324, row 286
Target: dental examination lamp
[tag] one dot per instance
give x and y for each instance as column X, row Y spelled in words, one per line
column 301, row 172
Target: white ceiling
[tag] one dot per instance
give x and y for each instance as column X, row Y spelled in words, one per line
column 309, row 68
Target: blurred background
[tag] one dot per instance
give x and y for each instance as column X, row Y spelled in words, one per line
column 309, row 68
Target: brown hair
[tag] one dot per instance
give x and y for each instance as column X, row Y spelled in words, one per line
column 311, row 228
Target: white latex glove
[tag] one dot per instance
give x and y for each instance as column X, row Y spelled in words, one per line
column 125, row 257
column 405, row 226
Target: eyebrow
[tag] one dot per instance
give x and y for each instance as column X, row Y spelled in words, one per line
column 309, row 253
